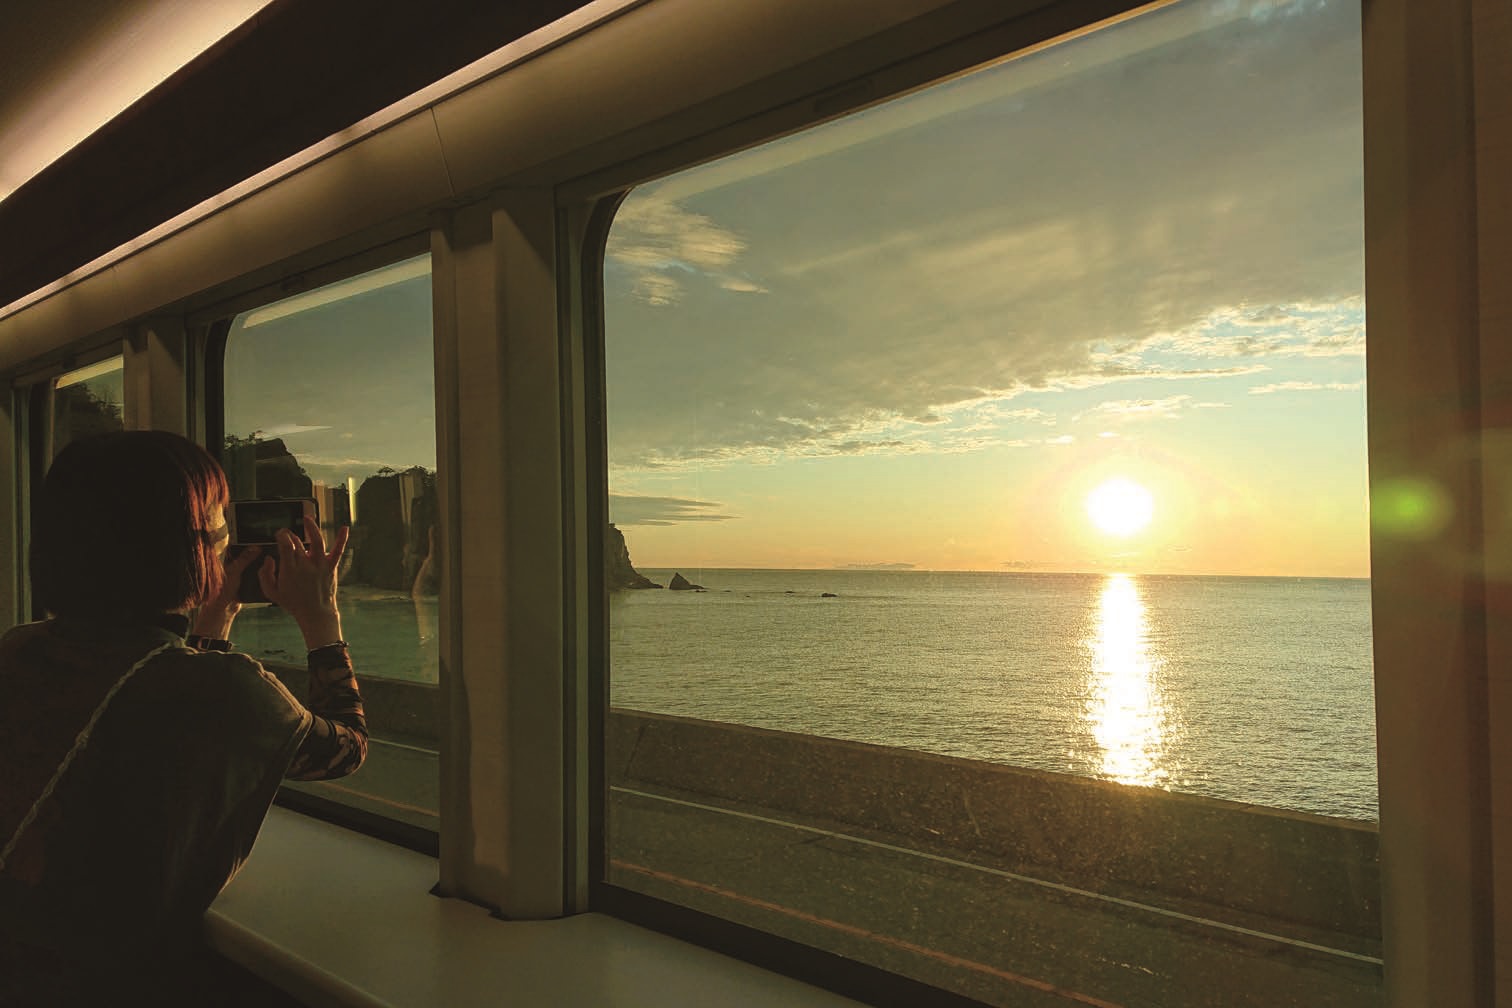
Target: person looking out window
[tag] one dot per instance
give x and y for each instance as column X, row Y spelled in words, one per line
column 141, row 758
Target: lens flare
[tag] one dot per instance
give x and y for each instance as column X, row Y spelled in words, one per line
column 1411, row 508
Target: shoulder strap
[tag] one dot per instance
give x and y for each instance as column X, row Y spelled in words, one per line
column 79, row 743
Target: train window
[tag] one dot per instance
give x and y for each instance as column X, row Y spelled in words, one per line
column 84, row 401
column 330, row 394
column 87, row 401
column 988, row 577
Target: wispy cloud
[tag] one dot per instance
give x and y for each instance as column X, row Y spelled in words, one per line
column 1134, row 410
column 993, row 414
column 963, row 445
column 634, row 509
column 1306, row 386
column 856, row 446
column 1309, row 329
column 741, row 285
column 661, row 245
column 290, row 429
column 1107, row 374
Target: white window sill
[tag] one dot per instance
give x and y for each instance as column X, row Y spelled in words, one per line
column 337, row 918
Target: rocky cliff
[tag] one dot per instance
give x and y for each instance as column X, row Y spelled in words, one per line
column 618, row 571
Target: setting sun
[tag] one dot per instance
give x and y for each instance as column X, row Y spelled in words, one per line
column 1120, row 507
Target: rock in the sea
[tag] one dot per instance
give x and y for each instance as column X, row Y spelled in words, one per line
column 618, row 571
column 680, row 583
column 828, row 595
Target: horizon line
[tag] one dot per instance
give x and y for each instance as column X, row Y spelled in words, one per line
column 975, row 570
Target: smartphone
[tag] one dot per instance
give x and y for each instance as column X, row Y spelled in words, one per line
column 254, row 524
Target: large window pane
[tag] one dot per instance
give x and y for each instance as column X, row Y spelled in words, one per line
column 1015, row 433
column 330, row 394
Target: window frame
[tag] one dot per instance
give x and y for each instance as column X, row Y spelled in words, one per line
column 511, row 784
column 1430, row 380
column 31, row 421
column 16, row 422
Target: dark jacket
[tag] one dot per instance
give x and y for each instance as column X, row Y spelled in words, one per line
column 158, row 808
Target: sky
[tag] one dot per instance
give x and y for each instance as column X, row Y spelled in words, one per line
column 344, row 375
column 923, row 335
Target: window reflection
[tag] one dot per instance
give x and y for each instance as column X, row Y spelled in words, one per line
column 353, row 426
column 1125, row 709
column 330, row 394
column 89, row 400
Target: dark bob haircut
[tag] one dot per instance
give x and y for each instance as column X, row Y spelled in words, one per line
column 121, row 528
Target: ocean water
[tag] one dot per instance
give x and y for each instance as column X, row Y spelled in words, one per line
column 1249, row 689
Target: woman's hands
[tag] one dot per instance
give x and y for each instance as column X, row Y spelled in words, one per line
column 303, row 582
column 216, row 614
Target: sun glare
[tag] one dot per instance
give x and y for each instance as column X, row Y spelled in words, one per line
column 1120, row 507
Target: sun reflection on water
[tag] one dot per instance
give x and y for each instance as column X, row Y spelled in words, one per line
column 1125, row 710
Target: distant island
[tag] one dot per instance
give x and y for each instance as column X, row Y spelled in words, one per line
column 879, row 566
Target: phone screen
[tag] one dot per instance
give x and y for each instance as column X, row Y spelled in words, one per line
column 255, row 524
column 258, row 522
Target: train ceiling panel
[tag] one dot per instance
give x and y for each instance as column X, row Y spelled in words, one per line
column 281, row 77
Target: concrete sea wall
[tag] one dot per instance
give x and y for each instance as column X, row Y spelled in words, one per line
column 1309, row 877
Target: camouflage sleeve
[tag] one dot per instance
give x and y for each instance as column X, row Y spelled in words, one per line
column 337, row 742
